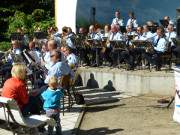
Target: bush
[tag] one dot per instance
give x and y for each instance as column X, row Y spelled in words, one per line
column 4, row 46
column 38, row 15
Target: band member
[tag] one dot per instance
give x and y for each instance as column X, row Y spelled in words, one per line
column 170, row 34
column 46, row 61
column 132, row 53
column 168, row 20
column 115, row 35
column 117, row 20
column 146, row 33
column 132, row 20
column 93, row 38
column 160, row 45
column 66, row 39
column 34, row 52
column 71, row 58
column 82, row 50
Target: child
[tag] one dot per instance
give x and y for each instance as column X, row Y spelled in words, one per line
column 51, row 105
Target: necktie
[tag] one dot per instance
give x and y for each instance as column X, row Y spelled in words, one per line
column 157, row 41
column 169, row 35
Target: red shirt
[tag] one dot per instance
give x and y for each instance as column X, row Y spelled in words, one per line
column 16, row 89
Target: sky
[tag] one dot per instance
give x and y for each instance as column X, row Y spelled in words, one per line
column 144, row 9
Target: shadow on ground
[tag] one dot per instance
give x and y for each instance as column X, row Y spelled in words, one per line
column 99, row 131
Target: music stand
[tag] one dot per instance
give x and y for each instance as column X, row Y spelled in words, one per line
column 40, row 35
column 123, row 29
column 142, row 43
column 130, row 37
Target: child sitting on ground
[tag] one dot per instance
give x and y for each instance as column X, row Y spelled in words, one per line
column 51, row 105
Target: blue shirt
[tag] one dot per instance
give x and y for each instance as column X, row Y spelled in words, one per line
column 58, row 70
column 159, row 44
column 52, row 98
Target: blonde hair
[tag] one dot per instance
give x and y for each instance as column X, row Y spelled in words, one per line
column 53, row 82
column 19, row 71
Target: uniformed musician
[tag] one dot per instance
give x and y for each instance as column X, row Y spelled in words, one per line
column 117, row 20
column 132, row 20
column 160, row 46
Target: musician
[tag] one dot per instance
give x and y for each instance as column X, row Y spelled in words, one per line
column 92, row 33
column 71, row 58
column 58, row 67
column 93, row 38
column 132, row 53
column 46, row 61
column 160, row 45
column 115, row 35
column 106, row 33
column 34, row 52
column 132, row 20
column 67, row 37
column 146, row 33
column 117, row 20
column 171, row 34
column 169, row 21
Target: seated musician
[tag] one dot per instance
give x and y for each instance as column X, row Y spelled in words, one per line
column 147, row 34
column 107, row 29
column 92, row 37
column 171, row 34
column 160, row 45
column 117, row 20
column 58, row 68
column 67, row 37
column 10, row 57
column 132, row 20
column 115, row 35
column 34, row 52
column 15, row 49
column 16, row 88
column 46, row 61
column 71, row 58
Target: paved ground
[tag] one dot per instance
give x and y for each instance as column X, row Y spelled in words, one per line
column 140, row 115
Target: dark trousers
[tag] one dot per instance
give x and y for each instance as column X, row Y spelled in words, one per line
column 128, row 58
column 56, row 117
column 34, row 106
column 154, row 58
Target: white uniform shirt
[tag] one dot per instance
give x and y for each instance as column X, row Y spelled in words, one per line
column 160, row 45
column 115, row 36
column 132, row 22
column 170, row 35
column 118, row 21
column 148, row 35
column 72, row 59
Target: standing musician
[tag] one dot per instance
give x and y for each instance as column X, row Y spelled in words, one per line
column 160, row 46
column 117, row 20
column 132, row 20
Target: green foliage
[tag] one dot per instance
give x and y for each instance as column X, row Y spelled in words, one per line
column 38, row 15
column 4, row 46
column 17, row 21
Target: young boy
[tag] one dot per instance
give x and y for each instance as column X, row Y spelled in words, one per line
column 51, row 105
